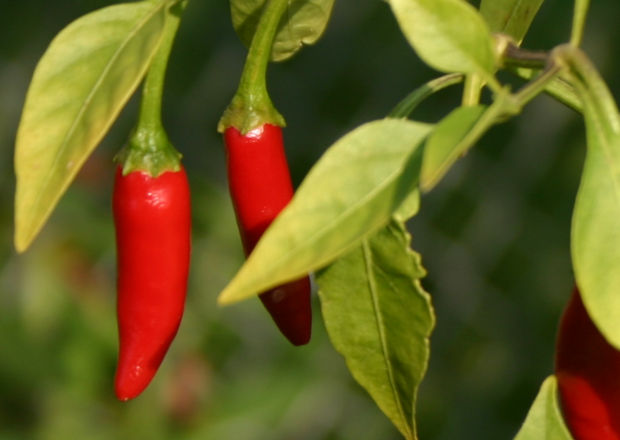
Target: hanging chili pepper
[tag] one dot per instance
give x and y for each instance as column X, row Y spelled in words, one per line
column 260, row 187
column 588, row 370
column 258, row 174
column 152, row 216
column 153, row 223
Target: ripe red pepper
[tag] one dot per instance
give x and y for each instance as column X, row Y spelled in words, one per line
column 588, row 374
column 260, row 187
column 152, row 216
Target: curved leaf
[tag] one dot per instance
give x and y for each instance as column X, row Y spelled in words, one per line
column 449, row 35
column 544, row 420
column 595, row 231
column 303, row 23
column 510, row 17
column 350, row 192
column 80, row 85
column 380, row 319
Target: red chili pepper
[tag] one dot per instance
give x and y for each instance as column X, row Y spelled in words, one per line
column 152, row 216
column 260, row 187
column 588, row 373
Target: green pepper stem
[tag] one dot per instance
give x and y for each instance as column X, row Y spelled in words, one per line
column 149, row 149
column 251, row 106
column 153, row 88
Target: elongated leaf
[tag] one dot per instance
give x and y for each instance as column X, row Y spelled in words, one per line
column 351, row 192
column 302, row 24
column 510, row 17
column 449, row 35
column 595, row 232
column 80, row 85
column 380, row 319
column 448, row 142
column 544, row 420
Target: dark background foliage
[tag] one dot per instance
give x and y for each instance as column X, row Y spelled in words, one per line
column 494, row 236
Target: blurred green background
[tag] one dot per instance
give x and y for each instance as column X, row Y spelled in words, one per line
column 494, row 236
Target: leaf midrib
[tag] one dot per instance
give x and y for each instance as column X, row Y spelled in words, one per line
column 373, row 292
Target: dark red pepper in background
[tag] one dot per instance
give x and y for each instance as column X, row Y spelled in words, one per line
column 260, row 187
column 152, row 216
column 588, row 374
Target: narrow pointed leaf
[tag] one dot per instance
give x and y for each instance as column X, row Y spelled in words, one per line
column 302, row 24
column 510, row 17
column 595, row 232
column 352, row 191
column 449, row 141
column 544, row 420
column 80, row 85
column 380, row 319
column 449, row 35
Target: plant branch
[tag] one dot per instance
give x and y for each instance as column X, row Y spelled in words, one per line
column 514, row 56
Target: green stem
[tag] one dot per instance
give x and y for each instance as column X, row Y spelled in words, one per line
column 149, row 149
column 153, row 88
column 471, row 90
column 251, row 106
column 404, row 108
column 579, row 21
column 537, row 85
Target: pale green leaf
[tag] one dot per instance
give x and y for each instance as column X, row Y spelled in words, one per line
column 352, row 191
column 303, row 23
column 448, row 142
column 409, row 207
column 510, row 17
column 80, row 85
column 380, row 319
column 544, row 421
column 449, row 35
column 595, row 232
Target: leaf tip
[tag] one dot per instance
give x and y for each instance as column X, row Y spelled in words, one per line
column 223, row 299
column 20, row 244
column 23, row 237
column 229, row 295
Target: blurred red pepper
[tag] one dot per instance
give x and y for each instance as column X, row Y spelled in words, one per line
column 260, row 187
column 588, row 374
column 152, row 216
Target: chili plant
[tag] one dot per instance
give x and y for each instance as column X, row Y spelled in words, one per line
column 346, row 222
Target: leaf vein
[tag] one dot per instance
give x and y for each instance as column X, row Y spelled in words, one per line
column 373, row 291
